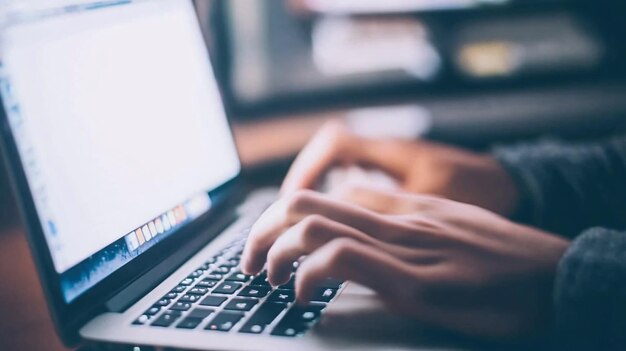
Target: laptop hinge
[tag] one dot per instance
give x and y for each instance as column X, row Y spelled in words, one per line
column 148, row 281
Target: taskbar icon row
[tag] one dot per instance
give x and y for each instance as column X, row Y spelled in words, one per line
column 167, row 222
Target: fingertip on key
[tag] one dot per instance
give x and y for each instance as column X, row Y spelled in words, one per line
column 246, row 267
column 302, row 298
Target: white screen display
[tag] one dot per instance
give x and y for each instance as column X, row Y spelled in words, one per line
column 119, row 119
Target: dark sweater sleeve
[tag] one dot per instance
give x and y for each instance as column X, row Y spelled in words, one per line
column 567, row 188
column 590, row 293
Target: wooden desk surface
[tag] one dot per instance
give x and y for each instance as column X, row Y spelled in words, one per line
column 25, row 323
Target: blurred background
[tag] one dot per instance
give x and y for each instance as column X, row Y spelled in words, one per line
column 467, row 72
column 482, row 69
column 472, row 73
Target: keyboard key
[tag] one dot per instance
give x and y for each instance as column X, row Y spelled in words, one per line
column 324, row 295
column 166, row 319
column 285, row 329
column 255, row 291
column 163, row 302
column 227, row 288
column 143, row 319
column 198, row 291
column 290, row 285
column 224, row 321
column 187, row 281
column 179, row 289
column 196, row 274
column 241, row 304
column 238, row 277
column 180, row 306
column 214, row 276
column 200, row 313
column 190, row 298
column 263, row 317
column 331, row 283
column 298, row 320
column 189, row 323
column 207, row 283
column 261, row 280
column 152, row 310
column 233, row 262
column 303, row 314
column 170, row 295
column 284, row 296
column 214, row 301
column 222, row 270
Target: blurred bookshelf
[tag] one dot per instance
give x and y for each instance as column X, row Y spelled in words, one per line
column 284, row 57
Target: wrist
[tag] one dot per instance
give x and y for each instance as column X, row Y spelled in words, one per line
column 505, row 198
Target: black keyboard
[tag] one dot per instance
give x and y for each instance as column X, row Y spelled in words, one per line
column 217, row 297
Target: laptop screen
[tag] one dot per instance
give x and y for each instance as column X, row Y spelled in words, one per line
column 119, row 125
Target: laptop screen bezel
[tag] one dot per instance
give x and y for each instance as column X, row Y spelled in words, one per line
column 68, row 318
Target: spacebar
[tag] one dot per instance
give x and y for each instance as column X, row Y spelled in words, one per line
column 262, row 317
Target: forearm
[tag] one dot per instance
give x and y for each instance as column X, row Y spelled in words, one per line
column 566, row 188
column 590, row 293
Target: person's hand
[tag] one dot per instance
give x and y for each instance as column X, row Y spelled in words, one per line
column 445, row 263
column 419, row 166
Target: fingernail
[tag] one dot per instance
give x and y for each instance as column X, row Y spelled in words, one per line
column 273, row 282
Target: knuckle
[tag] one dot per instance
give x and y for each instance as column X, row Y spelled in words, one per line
column 340, row 250
column 333, row 130
column 298, row 201
column 334, row 137
column 310, row 227
column 312, row 222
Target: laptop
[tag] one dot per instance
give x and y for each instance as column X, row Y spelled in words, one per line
column 130, row 185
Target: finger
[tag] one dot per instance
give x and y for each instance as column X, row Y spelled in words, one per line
column 262, row 231
column 328, row 147
column 303, row 238
column 347, row 259
column 334, row 145
column 315, row 231
column 287, row 212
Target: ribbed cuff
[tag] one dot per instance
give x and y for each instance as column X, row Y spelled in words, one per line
column 590, row 293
